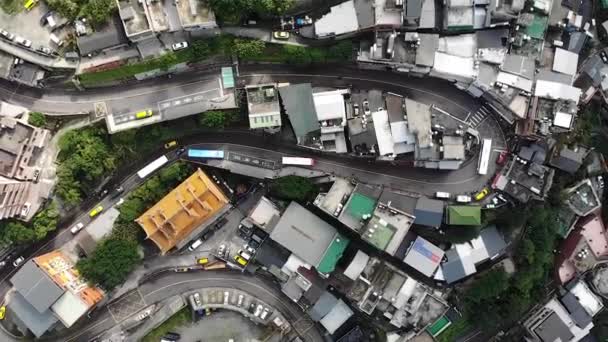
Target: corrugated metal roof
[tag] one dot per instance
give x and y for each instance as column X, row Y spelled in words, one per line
column 39, row 289
column 300, row 108
column 467, row 215
column 38, row 323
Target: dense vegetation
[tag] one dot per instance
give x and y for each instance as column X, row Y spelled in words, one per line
column 293, row 188
column 17, row 232
column 495, row 300
column 234, row 11
column 96, row 12
column 36, row 119
column 216, row 119
column 111, row 262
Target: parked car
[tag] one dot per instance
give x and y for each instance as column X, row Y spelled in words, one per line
column 604, row 57
column 203, row 261
column 25, row 209
column 463, row 198
column 120, row 202
column 179, row 46
column 356, row 109
column 502, row 158
column 366, row 109
column 2, row 312
column 172, row 336
column 443, row 195
column 18, row 261
column 280, row 35
column 195, row 245
column 240, row 260
column 98, row 209
column 481, row 194
column 22, row 41
column 170, row 144
column 29, row 4
column 78, row 227
column 45, row 50
column 44, row 17
column 7, row 35
column 600, row 181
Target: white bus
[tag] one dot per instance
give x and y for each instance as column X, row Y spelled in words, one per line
column 298, row 161
column 484, row 156
column 153, row 166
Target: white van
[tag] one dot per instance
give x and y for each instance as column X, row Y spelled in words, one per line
column 463, row 199
column 56, row 39
column 443, row 195
column 195, row 245
column 244, row 255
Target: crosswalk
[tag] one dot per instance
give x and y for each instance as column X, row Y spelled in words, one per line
column 477, row 118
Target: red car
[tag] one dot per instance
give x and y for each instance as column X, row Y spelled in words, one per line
column 502, row 158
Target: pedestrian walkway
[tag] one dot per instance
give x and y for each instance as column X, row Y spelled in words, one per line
column 35, row 58
column 479, row 116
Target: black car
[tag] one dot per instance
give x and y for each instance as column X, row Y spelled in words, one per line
column 220, row 224
column 208, row 235
column 172, row 336
column 45, row 17
column 117, row 191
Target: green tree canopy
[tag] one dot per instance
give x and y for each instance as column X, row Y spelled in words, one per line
column 85, row 157
column 36, row 119
column 293, row 188
column 248, row 48
column 215, row 119
column 111, row 262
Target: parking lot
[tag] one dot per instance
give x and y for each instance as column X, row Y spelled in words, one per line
column 26, row 24
column 221, row 326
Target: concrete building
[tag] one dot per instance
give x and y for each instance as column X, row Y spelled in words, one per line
column 567, row 318
column 315, row 242
column 264, row 214
column 184, row 212
column 263, row 106
column 135, row 19
column 195, row 15
column 585, row 247
column 331, row 114
column 49, row 290
column 21, row 146
column 300, row 109
column 429, row 212
column 583, row 198
column 110, row 36
column 463, row 258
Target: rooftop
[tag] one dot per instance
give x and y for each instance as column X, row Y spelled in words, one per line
column 341, row 19
column 195, row 201
column 419, row 120
column 264, row 213
column 195, row 14
column 330, row 105
column 424, row 256
column 36, row 286
column 300, row 108
column 429, row 212
column 464, row 215
column 158, row 18
column 582, row 198
column 112, row 34
column 263, row 106
column 134, row 17
column 304, row 234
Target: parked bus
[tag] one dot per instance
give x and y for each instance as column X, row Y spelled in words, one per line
column 153, row 166
column 484, row 156
column 298, row 161
column 209, row 154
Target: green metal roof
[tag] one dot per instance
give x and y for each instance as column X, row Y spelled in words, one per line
column 360, row 205
column 439, row 326
column 604, row 4
column 538, row 27
column 333, row 254
column 382, row 235
column 464, row 215
column 227, row 77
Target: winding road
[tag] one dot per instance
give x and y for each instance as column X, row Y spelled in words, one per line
column 148, row 93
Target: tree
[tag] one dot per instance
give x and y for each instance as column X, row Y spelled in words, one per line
column 294, row 188
column 36, row 119
column 84, row 158
column 199, row 50
column 248, row 48
column 296, row 54
column 166, row 61
column 98, row 11
column 215, row 119
column 45, row 221
column 16, row 233
column 111, row 262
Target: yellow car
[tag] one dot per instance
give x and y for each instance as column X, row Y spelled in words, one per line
column 170, row 144
column 96, row 211
column 2, row 312
column 203, row 261
column 483, row 193
column 29, row 4
column 280, row 35
column 143, row 114
column 240, row 260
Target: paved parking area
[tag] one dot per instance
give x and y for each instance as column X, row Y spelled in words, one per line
column 222, row 326
column 27, row 25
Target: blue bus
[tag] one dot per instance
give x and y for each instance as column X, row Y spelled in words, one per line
column 208, row 154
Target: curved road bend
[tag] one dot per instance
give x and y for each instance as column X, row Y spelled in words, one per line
column 170, row 284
